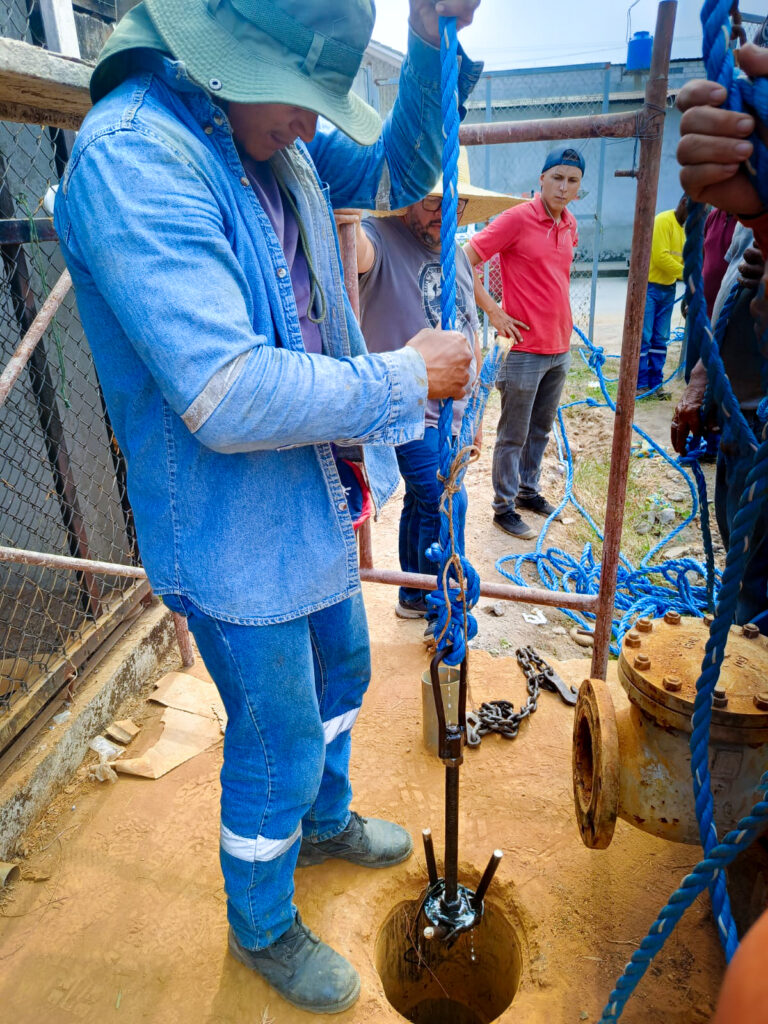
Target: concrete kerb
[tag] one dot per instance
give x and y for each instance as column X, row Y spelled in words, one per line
column 136, row 658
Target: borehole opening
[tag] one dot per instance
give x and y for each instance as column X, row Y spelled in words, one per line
column 473, row 982
column 584, row 761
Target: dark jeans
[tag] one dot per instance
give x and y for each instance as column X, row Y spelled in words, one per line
column 530, row 386
column 420, row 518
column 729, row 486
column 659, row 303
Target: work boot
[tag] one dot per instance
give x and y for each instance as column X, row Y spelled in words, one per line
column 538, row 504
column 369, row 842
column 411, row 609
column 305, row 971
column 514, row 524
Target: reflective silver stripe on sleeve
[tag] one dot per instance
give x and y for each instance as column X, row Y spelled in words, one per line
column 213, row 392
column 383, row 201
column 259, row 849
column 342, row 723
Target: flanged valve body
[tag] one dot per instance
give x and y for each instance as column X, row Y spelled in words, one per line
column 635, row 762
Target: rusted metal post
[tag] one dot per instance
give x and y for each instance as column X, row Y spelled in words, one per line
column 184, row 640
column 346, row 224
column 626, row 125
column 645, row 209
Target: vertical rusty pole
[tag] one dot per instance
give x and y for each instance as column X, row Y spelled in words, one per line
column 346, row 226
column 645, row 209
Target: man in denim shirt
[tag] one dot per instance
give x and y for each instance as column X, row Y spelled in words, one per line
column 195, row 218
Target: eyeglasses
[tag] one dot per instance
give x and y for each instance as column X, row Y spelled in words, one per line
column 433, row 203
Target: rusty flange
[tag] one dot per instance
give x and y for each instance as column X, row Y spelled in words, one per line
column 659, row 669
column 595, row 764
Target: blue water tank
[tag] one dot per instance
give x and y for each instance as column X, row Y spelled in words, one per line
column 639, row 51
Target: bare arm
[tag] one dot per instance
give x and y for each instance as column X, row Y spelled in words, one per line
column 502, row 323
column 363, row 246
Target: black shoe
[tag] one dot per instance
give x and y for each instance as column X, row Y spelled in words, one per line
column 513, row 524
column 411, row 609
column 304, row 970
column 369, row 842
column 538, row 504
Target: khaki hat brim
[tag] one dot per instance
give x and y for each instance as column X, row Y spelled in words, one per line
column 482, row 204
column 244, row 74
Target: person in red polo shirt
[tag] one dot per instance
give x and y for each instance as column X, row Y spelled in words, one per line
column 535, row 243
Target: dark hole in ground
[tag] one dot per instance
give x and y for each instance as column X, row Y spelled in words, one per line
column 473, row 982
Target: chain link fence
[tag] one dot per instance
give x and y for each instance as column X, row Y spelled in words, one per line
column 62, row 478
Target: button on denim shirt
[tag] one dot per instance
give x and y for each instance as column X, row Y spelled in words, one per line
column 224, row 420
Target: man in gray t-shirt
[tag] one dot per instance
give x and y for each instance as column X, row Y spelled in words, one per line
column 399, row 263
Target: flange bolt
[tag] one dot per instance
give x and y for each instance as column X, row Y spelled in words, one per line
column 643, row 662
column 761, row 701
column 708, row 620
column 751, row 631
column 719, row 698
column 672, row 617
column 672, row 683
column 644, row 625
column 632, row 639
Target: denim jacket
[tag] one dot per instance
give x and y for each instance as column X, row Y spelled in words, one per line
column 225, row 421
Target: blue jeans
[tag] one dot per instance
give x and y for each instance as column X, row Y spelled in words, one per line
column 292, row 692
column 530, row 386
column 420, row 518
column 659, row 303
column 730, row 480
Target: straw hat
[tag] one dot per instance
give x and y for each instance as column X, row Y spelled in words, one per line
column 482, row 204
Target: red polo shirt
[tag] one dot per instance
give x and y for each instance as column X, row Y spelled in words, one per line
column 535, row 254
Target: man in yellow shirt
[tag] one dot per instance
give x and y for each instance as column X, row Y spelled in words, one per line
column 665, row 271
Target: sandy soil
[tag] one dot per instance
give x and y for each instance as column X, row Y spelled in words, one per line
column 120, row 911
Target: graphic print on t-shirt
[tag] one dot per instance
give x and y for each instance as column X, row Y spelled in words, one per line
column 429, row 284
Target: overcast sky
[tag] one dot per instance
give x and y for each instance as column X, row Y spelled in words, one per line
column 508, row 34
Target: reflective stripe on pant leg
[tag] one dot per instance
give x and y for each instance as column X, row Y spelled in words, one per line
column 260, row 848
column 340, row 724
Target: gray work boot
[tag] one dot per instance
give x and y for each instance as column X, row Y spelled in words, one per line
column 367, row 841
column 305, row 971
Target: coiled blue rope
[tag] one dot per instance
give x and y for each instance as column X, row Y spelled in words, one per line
column 637, row 594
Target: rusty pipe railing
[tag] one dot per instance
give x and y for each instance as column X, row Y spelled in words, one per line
column 645, row 209
column 626, row 125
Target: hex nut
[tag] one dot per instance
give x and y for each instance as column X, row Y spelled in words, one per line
column 720, row 702
column 751, row 631
column 643, row 662
column 708, row 620
column 672, row 683
column 719, row 693
column 672, row 617
column 761, row 701
column 644, row 625
column 632, row 639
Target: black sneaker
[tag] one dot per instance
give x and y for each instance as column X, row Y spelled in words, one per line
column 513, row 524
column 304, row 970
column 411, row 609
column 538, row 504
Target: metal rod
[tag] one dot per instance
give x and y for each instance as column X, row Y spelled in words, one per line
column 429, row 855
column 598, row 239
column 501, row 591
column 584, row 602
column 34, row 333
column 625, row 125
column 645, row 209
column 365, row 545
column 346, row 226
column 184, row 640
column 451, row 834
column 488, row 874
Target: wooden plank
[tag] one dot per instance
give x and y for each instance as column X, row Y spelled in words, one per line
column 39, row 87
column 104, row 8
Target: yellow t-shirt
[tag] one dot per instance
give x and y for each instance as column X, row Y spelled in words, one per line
column 667, row 249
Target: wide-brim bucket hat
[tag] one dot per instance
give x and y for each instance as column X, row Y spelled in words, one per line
column 482, row 204
column 298, row 52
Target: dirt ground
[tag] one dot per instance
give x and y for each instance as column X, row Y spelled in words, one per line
column 120, row 911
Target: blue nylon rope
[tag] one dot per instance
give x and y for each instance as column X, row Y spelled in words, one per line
column 742, row 94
